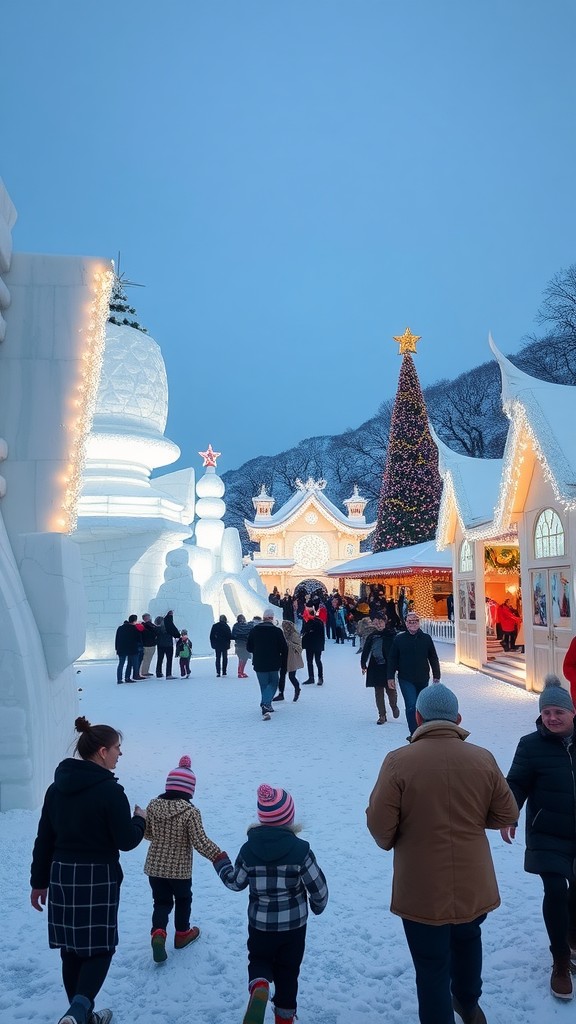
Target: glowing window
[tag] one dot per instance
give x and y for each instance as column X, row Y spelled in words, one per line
column 466, row 557
column 548, row 535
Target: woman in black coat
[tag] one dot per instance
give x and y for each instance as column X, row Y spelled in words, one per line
column 313, row 641
column 374, row 665
column 84, row 824
column 543, row 776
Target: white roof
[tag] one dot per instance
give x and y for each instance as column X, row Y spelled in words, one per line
column 549, row 412
column 475, row 482
column 301, row 498
column 412, row 558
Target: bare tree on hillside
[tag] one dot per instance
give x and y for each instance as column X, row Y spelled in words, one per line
column 467, row 414
column 553, row 356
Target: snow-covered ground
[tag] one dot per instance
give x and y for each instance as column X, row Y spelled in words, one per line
column 327, row 751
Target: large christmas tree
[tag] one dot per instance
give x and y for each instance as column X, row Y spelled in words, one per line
column 411, row 486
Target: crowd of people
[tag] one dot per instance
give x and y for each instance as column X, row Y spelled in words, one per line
column 439, row 794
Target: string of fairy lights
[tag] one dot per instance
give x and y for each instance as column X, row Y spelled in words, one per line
column 521, row 436
column 83, row 401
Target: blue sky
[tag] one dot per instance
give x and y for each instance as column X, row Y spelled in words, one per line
column 295, row 181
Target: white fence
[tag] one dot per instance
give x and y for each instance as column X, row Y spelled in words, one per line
column 439, row 629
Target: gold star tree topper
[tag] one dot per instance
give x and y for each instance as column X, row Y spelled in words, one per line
column 210, row 456
column 407, row 341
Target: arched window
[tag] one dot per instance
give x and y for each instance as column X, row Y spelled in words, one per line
column 466, row 557
column 548, row 535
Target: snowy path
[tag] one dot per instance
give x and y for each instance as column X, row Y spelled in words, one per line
column 327, row 751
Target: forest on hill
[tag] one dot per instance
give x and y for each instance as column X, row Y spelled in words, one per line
column 466, row 413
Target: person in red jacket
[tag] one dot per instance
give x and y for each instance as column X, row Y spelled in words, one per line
column 569, row 668
column 509, row 621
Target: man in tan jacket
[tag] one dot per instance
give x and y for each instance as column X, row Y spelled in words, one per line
column 432, row 802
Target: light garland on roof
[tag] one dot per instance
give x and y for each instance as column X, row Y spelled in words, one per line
column 521, row 435
column 84, row 400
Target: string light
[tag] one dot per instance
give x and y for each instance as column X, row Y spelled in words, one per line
column 84, row 399
column 521, row 437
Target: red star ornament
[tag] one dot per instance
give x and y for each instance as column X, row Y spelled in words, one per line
column 210, row 456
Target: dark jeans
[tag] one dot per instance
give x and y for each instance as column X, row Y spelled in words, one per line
column 311, row 657
column 448, row 961
column 268, row 682
column 559, row 912
column 339, row 632
column 221, row 659
column 277, row 956
column 132, row 662
column 164, row 652
column 184, row 666
column 410, row 693
column 168, row 893
column 282, row 681
column 84, row 975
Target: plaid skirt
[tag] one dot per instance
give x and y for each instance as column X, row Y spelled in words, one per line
column 83, row 907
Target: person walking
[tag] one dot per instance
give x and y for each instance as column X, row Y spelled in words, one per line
column 374, row 665
column 240, row 632
column 283, row 878
column 149, row 640
column 165, row 648
column 84, row 824
column 293, row 663
column 184, row 653
column 412, row 655
column 220, row 637
column 432, row 804
column 543, row 776
column 313, row 642
column 269, row 651
column 340, row 624
column 127, row 643
column 174, row 828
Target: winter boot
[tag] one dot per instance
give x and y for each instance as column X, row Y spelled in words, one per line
column 475, row 1016
column 159, row 946
column 100, row 1017
column 561, row 978
column 182, row 939
column 284, row 1016
column 381, row 720
column 259, row 992
column 78, row 1012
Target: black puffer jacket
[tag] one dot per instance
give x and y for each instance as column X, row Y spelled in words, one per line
column 543, row 775
column 220, row 636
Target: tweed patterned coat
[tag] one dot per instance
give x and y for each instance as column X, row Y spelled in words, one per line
column 175, row 829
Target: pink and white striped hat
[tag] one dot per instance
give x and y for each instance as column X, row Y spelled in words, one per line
column 275, row 806
column 182, row 778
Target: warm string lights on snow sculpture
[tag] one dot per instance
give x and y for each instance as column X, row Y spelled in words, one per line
column 84, row 399
column 411, row 487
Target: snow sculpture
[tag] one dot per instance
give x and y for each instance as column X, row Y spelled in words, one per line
column 216, row 573
column 127, row 522
column 52, row 320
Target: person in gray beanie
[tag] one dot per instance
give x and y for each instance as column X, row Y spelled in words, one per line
column 543, row 776
column 432, row 804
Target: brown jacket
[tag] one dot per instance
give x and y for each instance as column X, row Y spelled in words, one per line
column 432, row 802
column 294, row 646
column 174, row 828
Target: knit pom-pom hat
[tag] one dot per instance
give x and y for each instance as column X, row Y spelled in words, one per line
column 182, row 778
column 554, row 695
column 275, row 806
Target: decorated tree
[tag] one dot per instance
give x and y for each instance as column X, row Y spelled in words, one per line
column 121, row 312
column 411, row 486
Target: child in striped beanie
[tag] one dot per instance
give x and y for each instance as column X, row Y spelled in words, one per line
column 174, row 828
column 282, row 876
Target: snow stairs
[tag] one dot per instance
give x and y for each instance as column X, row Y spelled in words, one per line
column 509, row 666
